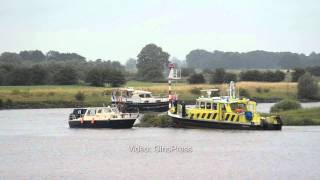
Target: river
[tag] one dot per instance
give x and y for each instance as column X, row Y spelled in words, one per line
column 38, row 144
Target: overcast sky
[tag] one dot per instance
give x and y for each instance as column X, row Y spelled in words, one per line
column 117, row 30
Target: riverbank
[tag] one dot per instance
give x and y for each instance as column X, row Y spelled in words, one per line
column 17, row 97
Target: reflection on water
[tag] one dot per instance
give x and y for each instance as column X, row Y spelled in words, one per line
column 37, row 144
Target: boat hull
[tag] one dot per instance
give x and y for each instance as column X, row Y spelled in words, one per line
column 180, row 122
column 154, row 107
column 116, row 124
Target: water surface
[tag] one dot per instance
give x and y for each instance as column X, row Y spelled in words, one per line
column 37, row 144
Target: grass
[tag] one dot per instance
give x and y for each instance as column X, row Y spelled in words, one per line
column 155, row 120
column 64, row 96
column 307, row 116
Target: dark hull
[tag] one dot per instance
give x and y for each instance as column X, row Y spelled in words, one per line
column 117, row 124
column 190, row 123
column 155, row 107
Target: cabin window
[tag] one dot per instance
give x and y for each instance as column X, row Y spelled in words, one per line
column 238, row 107
column 141, row 95
column 214, row 106
column 147, row 95
column 91, row 112
column 191, row 117
column 198, row 115
column 208, row 106
column 99, row 111
column 203, row 115
column 202, row 105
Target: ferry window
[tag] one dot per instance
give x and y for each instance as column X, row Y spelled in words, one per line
column 208, row 106
column 202, row 105
column 214, row 106
column 238, row 107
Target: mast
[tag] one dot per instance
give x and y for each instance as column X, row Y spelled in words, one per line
column 174, row 74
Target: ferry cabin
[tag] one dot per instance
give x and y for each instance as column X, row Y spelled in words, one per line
column 224, row 109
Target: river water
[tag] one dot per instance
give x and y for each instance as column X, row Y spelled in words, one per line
column 38, row 144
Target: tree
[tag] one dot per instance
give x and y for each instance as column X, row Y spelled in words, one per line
column 196, row 79
column 11, row 58
column 218, row 76
column 39, row 75
column 95, row 77
column 307, row 87
column 66, row 76
column 117, row 79
column 297, row 73
column 187, row 71
column 19, row 76
column 131, row 65
column 151, row 63
column 34, row 56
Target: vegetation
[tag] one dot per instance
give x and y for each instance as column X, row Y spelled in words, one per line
column 284, row 105
column 196, row 79
column 297, row 73
column 35, row 68
column 151, row 63
column 308, row 116
column 80, row 96
column 155, row 120
column 202, row 59
column 267, row 76
column 220, row 76
column 308, row 87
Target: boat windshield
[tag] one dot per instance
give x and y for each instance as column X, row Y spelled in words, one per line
column 238, row 107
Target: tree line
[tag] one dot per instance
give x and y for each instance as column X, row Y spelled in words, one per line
column 36, row 68
column 202, row 59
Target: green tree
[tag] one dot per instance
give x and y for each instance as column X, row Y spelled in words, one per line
column 196, row 79
column 297, row 73
column 95, row 77
column 39, row 75
column 131, row 65
column 66, row 76
column 218, row 76
column 307, row 87
column 151, row 63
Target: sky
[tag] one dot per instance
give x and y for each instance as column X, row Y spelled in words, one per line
column 118, row 29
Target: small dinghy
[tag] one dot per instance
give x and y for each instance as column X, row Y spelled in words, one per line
column 101, row 117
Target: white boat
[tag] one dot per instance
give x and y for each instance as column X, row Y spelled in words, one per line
column 101, row 117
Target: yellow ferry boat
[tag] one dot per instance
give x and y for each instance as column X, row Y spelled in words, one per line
column 222, row 112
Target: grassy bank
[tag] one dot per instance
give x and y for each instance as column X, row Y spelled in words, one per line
column 308, row 116
column 64, row 96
